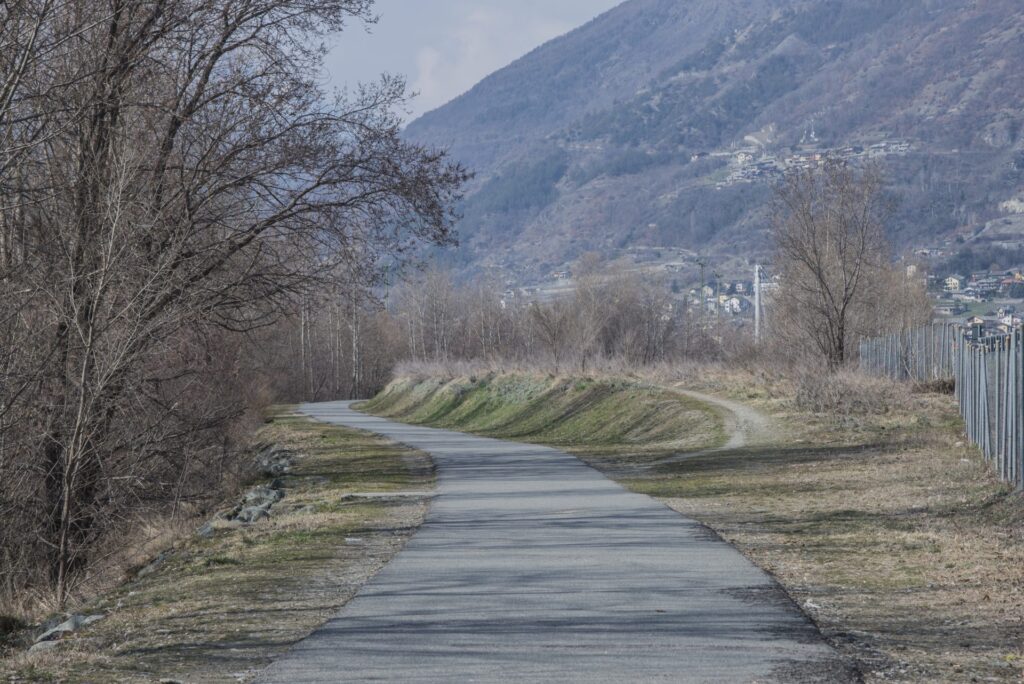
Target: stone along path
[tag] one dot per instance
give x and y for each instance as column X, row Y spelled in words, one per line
column 532, row 566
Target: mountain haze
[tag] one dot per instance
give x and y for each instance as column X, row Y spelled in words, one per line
column 665, row 122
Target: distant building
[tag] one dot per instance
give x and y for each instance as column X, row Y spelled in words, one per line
column 967, row 295
column 736, row 305
column 742, row 287
column 1011, row 279
column 953, row 283
column 954, row 309
column 1009, row 320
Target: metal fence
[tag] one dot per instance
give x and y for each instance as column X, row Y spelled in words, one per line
column 923, row 355
column 988, row 374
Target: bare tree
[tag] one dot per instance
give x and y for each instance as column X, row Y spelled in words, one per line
column 173, row 180
column 553, row 323
column 828, row 227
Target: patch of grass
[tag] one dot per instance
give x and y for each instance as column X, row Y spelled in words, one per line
column 226, row 605
column 573, row 413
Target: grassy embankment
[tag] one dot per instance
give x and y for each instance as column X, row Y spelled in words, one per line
column 889, row 530
column 578, row 414
column 219, row 609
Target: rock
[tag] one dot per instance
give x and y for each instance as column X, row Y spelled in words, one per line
column 274, row 462
column 51, row 622
column 72, row 624
column 43, row 646
column 206, row 531
column 353, row 540
column 256, row 503
column 251, row 514
column 153, row 565
column 263, row 495
column 1000, row 134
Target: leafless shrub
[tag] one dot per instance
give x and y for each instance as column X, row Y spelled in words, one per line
column 848, row 393
column 610, row 317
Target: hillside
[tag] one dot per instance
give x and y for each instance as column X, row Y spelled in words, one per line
column 663, row 123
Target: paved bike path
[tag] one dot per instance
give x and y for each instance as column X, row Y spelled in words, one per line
column 532, row 566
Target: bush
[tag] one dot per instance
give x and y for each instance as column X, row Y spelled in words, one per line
column 848, row 393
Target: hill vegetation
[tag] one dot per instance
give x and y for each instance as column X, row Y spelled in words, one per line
column 644, row 108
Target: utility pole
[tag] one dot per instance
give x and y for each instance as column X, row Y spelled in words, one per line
column 718, row 297
column 703, row 263
column 757, row 302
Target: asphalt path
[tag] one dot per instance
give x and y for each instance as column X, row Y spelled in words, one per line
column 532, row 566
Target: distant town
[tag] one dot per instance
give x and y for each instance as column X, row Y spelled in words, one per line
column 990, row 300
column 753, row 163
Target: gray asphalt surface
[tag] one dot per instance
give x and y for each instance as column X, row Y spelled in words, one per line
column 532, row 566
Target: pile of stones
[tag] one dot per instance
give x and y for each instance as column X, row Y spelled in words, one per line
column 271, row 461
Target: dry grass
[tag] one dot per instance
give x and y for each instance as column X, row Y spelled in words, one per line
column 219, row 609
column 848, row 394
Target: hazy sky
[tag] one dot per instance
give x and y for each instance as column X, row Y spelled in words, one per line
column 444, row 47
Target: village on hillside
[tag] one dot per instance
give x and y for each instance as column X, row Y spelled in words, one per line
column 990, row 300
column 753, row 162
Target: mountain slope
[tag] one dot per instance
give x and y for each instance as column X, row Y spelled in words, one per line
column 664, row 123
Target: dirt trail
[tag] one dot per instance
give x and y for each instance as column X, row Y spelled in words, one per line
column 743, row 424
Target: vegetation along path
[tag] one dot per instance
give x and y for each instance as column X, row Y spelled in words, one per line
column 532, row 566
